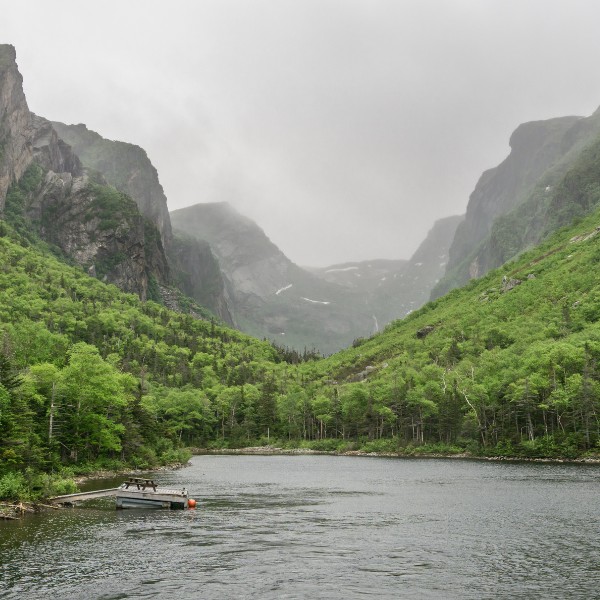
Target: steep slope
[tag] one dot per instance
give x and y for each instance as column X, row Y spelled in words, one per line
column 15, row 123
column 125, row 166
column 89, row 374
column 394, row 288
column 196, row 273
column 46, row 192
column 508, row 363
column 541, row 153
column 271, row 296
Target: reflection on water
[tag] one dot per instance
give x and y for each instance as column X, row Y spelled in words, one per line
column 323, row 527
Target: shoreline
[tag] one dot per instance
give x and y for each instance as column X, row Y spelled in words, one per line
column 16, row 510
column 276, row 451
column 109, row 474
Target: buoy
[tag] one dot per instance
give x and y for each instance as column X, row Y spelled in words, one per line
column 191, row 503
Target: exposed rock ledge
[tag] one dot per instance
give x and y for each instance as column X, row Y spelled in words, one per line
column 273, row 450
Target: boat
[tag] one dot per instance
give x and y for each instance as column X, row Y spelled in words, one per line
column 144, row 493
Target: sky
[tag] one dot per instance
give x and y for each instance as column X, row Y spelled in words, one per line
column 344, row 128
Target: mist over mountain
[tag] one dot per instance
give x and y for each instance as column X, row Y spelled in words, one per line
column 270, row 295
column 393, row 289
column 101, row 204
column 514, row 205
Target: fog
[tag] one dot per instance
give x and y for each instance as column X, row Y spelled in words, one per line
column 344, row 128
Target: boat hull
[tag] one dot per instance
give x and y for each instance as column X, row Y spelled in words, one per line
column 128, row 498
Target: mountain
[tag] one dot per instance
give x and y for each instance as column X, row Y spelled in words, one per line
column 193, row 268
column 91, row 376
column 124, row 166
column 326, row 308
column 46, row 193
column 100, row 203
column 510, row 208
column 507, row 365
column 271, row 296
column 394, row 288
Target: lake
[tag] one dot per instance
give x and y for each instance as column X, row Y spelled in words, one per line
column 323, row 527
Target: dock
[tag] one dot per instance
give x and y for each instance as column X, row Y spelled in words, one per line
column 136, row 492
column 80, row 496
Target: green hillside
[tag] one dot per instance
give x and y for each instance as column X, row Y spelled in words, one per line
column 92, row 377
column 506, row 365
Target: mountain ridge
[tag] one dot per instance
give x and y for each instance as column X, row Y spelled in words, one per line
column 541, row 153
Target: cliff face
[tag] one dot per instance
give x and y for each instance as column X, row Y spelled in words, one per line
column 393, row 288
column 44, row 188
column 192, row 266
column 269, row 296
column 15, row 123
column 541, row 153
column 69, row 218
column 125, row 166
column 197, row 274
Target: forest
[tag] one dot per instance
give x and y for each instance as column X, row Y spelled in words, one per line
column 91, row 377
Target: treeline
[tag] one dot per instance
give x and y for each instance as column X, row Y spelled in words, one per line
column 508, row 365
column 90, row 376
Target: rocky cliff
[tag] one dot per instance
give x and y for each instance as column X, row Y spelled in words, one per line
column 193, row 268
column 197, row 274
column 46, row 191
column 269, row 295
column 126, row 167
column 514, row 196
column 15, row 123
column 393, row 288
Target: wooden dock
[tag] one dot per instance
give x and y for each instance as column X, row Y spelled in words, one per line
column 80, row 496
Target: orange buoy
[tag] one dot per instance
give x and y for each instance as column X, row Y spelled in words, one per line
column 191, row 503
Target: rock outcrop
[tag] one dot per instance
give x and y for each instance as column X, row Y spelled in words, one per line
column 508, row 209
column 15, row 123
column 270, row 296
column 126, row 167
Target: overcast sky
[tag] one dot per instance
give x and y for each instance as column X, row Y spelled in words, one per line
column 344, row 128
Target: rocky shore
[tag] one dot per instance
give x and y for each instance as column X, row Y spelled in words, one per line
column 274, row 450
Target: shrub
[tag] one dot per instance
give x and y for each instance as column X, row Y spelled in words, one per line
column 381, row 445
column 145, row 458
column 13, row 487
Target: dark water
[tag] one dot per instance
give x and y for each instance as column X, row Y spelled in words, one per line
column 324, row 527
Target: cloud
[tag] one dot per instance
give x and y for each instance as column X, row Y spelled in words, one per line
column 343, row 127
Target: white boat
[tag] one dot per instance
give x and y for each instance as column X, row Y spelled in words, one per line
column 144, row 493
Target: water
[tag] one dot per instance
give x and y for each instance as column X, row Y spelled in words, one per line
column 324, row 527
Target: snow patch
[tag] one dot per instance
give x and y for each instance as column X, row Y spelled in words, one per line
column 383, row 278
column 340, row 270
column 287, row 287
column 315, row 301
